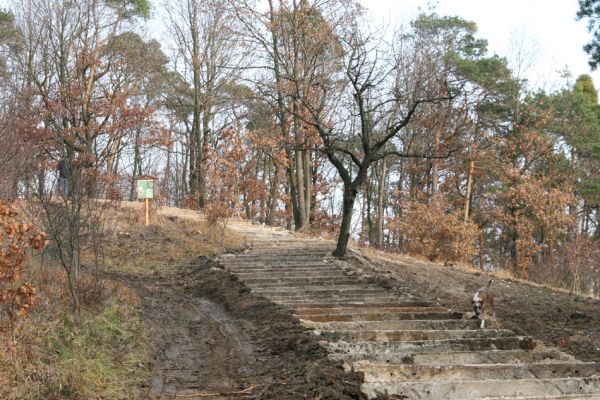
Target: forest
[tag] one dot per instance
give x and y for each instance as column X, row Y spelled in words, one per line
column 302, row 114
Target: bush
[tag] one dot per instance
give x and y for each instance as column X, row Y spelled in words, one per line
column 16, row 238
column 433, row 231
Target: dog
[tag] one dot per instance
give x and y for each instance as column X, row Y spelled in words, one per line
column 483, row 301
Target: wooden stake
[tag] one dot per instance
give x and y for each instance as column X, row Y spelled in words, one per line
column 147, row 212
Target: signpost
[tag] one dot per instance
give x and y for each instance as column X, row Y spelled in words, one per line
column 145, row 191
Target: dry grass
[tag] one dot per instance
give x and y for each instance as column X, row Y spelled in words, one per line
column 173, row 235
column 103, row 353
column 400, row 259
column 54, row 355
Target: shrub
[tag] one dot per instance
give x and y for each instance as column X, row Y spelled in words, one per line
column 16, row 238
column 436, row 232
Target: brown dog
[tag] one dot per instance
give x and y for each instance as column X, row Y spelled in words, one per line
column 483, row 301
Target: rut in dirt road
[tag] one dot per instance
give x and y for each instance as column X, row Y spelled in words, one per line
column 200, row 350
column 405, row 346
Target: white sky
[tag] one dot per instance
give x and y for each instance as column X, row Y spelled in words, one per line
column 545, row 28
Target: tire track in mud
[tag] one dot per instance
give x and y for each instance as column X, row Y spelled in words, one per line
column 199, row 348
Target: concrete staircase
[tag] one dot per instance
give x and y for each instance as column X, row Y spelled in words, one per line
column 404, row 346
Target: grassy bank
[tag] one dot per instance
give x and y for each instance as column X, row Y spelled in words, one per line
column 103, row 353
column 55, row 355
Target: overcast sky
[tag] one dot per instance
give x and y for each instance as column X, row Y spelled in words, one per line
column 546, row 30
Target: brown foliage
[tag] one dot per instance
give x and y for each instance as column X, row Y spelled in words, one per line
column 432, row 231
column 190, row 202
column 532, row 205
column 16, row 238
column 230, row 178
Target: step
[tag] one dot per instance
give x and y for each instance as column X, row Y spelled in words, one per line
column 422, row 346
column 544, row 397
column 485, row 389
column 400, row 324
column 265, row 265
column 473, row 372
column 285, row 270
column 322, row 292
column 536, row 356
column 458, row 357
column 275, row 263
column 333, row 274
column 325, row 298
column 287, row 276
column 386, row 316
column 412, row 335
column 292, row 280
column 279, row 255
column 322, row 295
column 330, row 287
column 315, row 282
column 383, row 308
column 285, row 243
column 274, row 267
column 340, row 301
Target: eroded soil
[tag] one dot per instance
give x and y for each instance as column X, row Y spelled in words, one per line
column 572, row 323
column 214, row 339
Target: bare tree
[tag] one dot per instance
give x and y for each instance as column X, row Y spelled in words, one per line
column 294, row 47
column 207, row 61
column 81, row 108
column 362, row 110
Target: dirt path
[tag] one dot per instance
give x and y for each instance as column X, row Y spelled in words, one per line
column 199, row 348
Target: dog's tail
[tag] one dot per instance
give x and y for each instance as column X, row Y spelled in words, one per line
column 490, row 282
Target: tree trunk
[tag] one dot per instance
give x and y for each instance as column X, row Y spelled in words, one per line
column 307, row 173
column 137, row 165
column 299, row 177
column 597, row 233
column 196, row 143
column 41, row 181
column 111, row 159
column 281, row 112
column 435, row 164
column 201, row 188
column 293, row 192
column 184, row 172
column 481, row 249
column 366, row 214
column 515, row 245
column 381, row 204
column 412, row 188
column 165, row 188
column 273, row 195
column 468, row 193
column 350, row 191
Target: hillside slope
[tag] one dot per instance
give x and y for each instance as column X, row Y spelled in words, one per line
column 393, row 322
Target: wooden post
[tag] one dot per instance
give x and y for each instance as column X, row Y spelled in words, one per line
column 147, row 212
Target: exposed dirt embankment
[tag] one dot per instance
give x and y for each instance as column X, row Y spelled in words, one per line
column 569, row 322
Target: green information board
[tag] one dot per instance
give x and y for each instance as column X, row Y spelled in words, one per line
column 145, row 189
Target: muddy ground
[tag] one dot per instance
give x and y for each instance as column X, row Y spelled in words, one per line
column 213, row 339
column 572, row 323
